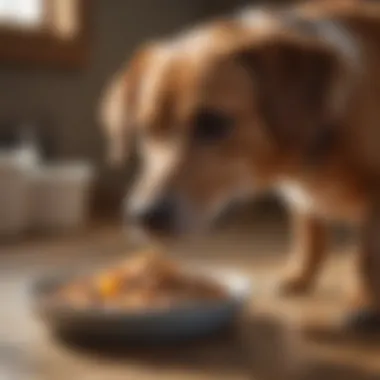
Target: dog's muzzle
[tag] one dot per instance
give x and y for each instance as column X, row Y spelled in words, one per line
column 161, row 216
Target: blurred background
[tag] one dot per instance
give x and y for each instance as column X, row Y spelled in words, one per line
column 56, row 56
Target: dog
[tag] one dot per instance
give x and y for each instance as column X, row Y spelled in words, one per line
column 285, row 99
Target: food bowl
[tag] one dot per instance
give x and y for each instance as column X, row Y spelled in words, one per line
column 185, row 321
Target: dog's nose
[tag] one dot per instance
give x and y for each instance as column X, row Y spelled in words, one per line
column 158, row 217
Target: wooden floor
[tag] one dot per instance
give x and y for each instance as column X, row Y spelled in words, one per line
column 279, row 338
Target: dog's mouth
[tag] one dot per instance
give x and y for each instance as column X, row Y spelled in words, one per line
column 142, row 235
column 179, row 224
column 169, row 218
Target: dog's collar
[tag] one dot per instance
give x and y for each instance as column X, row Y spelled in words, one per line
column 329, row 31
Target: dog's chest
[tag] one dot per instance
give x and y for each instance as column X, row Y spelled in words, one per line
column 330, row 202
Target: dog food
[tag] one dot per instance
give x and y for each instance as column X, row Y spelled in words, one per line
column 144, row 281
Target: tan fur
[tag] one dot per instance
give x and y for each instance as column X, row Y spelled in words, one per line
column 203, row 69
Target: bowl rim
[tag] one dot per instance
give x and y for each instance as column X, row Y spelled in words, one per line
column 238, row 286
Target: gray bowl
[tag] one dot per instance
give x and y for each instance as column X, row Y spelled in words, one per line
column 153, row 325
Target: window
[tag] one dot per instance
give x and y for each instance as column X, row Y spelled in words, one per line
column 22, row 13
column 44, row 31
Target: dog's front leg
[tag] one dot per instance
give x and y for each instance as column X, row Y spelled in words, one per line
column 308, row 253
column 366, row 314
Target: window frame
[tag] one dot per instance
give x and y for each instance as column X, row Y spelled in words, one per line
column 41, row 47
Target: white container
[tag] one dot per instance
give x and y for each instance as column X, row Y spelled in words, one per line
column 60, row 196
column 14, row 191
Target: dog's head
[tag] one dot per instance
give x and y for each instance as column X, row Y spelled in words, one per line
column 220, row 112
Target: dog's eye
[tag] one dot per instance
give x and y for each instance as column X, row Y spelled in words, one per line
column 210, row 126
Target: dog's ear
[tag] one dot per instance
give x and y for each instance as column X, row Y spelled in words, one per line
column 118, row 108
column 113, row 119
column 295, row 84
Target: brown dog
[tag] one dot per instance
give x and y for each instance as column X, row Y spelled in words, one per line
column 287, row 100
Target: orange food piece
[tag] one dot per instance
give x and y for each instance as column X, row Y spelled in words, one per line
column 109, row 285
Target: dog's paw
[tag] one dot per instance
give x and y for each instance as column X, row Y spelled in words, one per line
column 294, row 284
column 363, row 320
